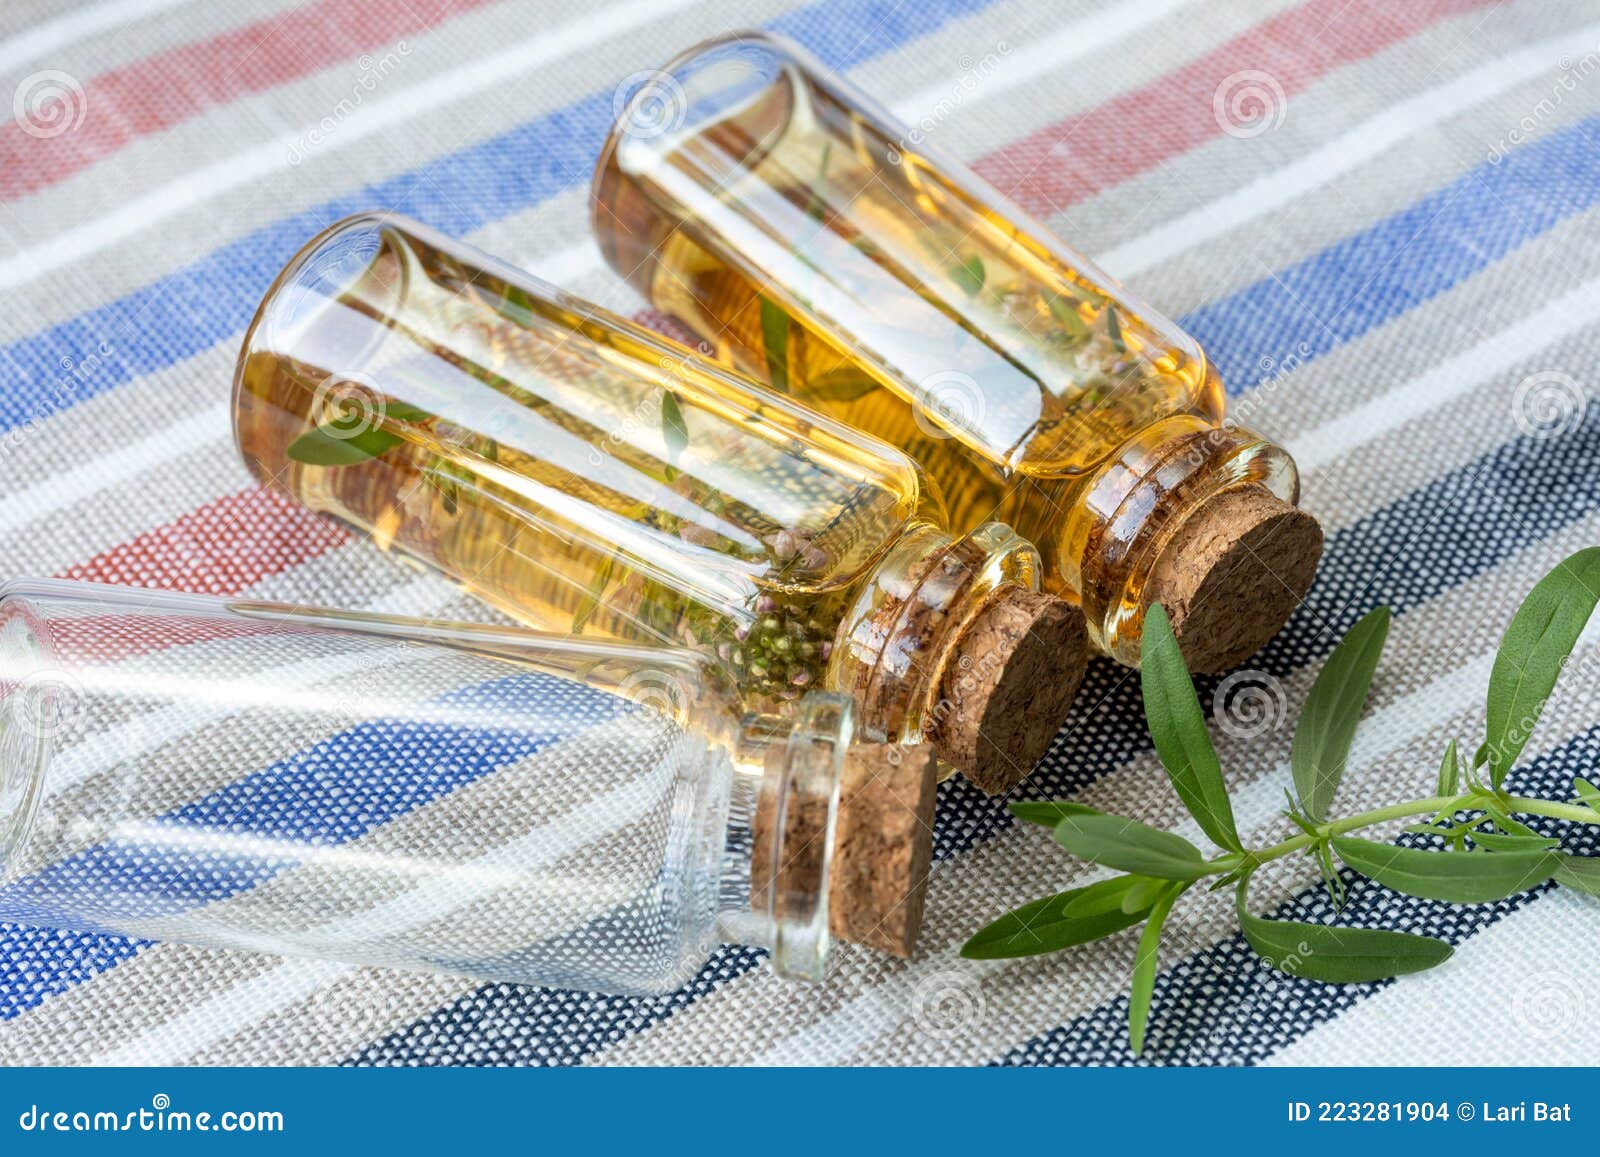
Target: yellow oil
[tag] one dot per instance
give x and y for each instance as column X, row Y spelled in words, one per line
column 573, row 470
column 1020, row 380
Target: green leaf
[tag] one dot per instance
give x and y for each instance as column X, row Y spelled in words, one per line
column 1101, row 898
column 1532, row 653
column 405, row 412
column 1458, row 877
column 447, row 487
column 517, row 304
column 1041, row 926
column 1129, row 846
column 1328, row 721
column 1499, row 842
column 1178, row 728
column 673, row 428
column 1114, row 330
column 1580, row 872
column 322, row 446
column 1337, row 955
column 841, row 385
column 775, row 342
column 333, row 444
column 592, row 597
column 1508, row 825
column 1143, row 985
column 969, row 275
column 1146, row 890
column 1449, row 772
column 1429, row 829
column 1065, row 312
column 1048, row 812
column 1586, row 793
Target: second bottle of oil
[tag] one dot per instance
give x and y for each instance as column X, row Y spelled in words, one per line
column 814, row 242
column 587, row 476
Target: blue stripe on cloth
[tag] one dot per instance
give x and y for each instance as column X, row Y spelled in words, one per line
column 333, row 792
column 1374, row 276
column 1224, row 1005
column 1438, row 537
column 518, row 1024
column 1434, row 539
column 1215, row 328
column 204, row 303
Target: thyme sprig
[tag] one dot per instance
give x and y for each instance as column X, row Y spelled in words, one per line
column 1487, row 853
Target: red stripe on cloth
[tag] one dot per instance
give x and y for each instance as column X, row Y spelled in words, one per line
column 228, row 545
column 222, row 548
column 97, row 639
column 153, row 94
column 1085, row 154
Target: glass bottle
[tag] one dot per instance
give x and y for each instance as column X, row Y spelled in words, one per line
column 449, row 797
column 590, row 477
column 812, row 241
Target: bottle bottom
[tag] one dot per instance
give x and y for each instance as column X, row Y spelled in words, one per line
column 35, row 701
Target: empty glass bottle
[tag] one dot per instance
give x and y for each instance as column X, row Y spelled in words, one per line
column 587, row 476
column 813, row 242
column 450, row 797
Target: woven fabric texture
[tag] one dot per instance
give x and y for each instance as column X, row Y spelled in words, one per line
column 1381, row 220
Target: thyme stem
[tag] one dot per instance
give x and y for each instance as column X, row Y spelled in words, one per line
column 1468, row 801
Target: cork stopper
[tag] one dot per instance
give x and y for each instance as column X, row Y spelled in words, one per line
column 1233, row 573
column 882, row 847
column 1009, row 685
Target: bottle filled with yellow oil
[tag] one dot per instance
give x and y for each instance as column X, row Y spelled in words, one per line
column 589, row 477
column 792, row 225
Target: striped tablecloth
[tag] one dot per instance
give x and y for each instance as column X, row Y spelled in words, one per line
column 1379, row 218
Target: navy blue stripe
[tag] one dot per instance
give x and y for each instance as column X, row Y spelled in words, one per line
column 1438, row 537
column 213, row 299
column 502, row 1024
column 1225, row 1006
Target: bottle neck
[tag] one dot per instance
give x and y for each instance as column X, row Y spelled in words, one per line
column 827, row 838
column 1131, row 509
column 776, row 842
column 901, row 640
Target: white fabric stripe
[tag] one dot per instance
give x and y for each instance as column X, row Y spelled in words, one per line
column 44, row 39
column 1536, row 962
column 1566, row 315
column 148, row 732
column 1360, row 144
column 493, row 871
column 127, row 462
column 144, row 733
column 1069, row 42
column 110, row 471
column 220, row 1017
column 1207, row 222
column 233, row 172
column 254, row 1000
